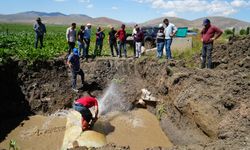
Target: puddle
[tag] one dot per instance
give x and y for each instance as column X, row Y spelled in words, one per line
column 138, row 129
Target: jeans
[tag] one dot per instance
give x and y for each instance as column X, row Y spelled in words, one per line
column 39, row 38
column 138, row 49
column 122, row 45
column 71, row 47
column 86, row 52
column 168, row 43
column 160, row 47
column 81, row 48
column 98, row 48
column 207, row 54
column 85, row 112
column 112, row 45
column 74, row 77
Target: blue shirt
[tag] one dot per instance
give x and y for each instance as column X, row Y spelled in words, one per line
column 40, row 29
column 170, row 29
column 75, row 61
column 87, row 33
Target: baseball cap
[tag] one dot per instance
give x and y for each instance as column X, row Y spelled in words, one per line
column 206, row 21
column 160, row 25
column 75, row 51
column 88, row 24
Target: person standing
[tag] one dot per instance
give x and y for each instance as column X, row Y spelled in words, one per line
column 209, row 34
column 71, row 37
column 74, row 65
column 121, row 36
column 112, row 41
column 80, row 41
column 133, row 35
column 169, row 31
column 86, row 37
column 99, row 41
column 82, row 105
column 160, row 39
column 139, row 36
column 40, row 31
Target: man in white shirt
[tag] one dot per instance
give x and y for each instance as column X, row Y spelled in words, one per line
column 170, row 31
column 133, row 34
column 71, row 37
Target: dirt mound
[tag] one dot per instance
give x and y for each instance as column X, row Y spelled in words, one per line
column 198, row 108
column 234, row 54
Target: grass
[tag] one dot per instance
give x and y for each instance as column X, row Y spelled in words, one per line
column 161, row 109
column 17, row 41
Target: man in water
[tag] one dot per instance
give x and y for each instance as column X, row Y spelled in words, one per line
column 82, row 105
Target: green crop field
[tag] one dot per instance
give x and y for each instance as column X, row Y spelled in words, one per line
column 17, row 40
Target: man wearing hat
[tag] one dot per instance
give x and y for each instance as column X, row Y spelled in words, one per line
column 87, row 37
column 40, row 30
column 74, row 64
column 209, row 33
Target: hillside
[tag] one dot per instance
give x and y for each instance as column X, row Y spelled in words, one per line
column 221, row 22
column 59, row 18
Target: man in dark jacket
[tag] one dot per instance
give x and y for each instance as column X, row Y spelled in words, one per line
column 74, row 64
column 112, row 41
column 40, row 31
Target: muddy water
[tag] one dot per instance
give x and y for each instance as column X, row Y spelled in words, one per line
column 138, row 129
column 38, row 133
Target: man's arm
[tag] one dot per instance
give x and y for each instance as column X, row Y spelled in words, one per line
column 67, row 35
column 174, row 30
column 68, row 62
column 218, row 33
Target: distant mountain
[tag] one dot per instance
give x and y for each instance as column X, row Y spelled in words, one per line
column 57, row 18
column 221, row 22
column 60, row 18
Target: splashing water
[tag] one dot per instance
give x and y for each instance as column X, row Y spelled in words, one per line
column 113, row 100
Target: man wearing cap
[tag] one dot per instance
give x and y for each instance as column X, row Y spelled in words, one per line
column 209, row 33
column 160, row 40
column 86, row 37
column 71, row 37
column 40, row 31
column 82, row 105
column 74, row 65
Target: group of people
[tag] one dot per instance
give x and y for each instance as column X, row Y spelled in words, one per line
column 83, row 36
column 117, row 40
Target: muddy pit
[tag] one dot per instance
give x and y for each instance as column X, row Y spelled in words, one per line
column 195, row 108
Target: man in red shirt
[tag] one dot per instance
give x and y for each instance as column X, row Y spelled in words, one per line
column 82, row 105
column 121, row 36
column 208, row 34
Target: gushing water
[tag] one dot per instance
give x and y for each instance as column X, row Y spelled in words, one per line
column 113, row 100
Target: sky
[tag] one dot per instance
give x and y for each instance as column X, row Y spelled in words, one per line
column 134, row 11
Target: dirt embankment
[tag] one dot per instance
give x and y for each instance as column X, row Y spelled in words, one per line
column 199, row 109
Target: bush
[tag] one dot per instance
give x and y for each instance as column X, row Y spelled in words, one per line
column 247, row 31
column 228, row 32
column 242, row 32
